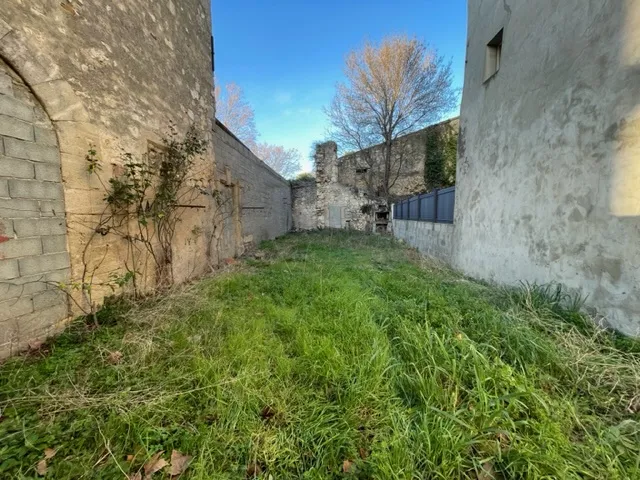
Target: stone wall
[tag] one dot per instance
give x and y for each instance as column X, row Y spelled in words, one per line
column 303, row 197
column 260, row 208
column 110, row 77
column 364, row 170
column 431, row 239
column 338, row 205
column 548, row 172
column 33, row 240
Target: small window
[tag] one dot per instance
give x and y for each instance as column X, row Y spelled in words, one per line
column 362, row 170
column 493, row 56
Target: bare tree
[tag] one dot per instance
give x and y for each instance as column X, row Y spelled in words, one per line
column 235, row 112
column 284, row 161
column 391, row 90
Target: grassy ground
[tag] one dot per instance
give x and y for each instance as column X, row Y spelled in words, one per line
column 335, row 356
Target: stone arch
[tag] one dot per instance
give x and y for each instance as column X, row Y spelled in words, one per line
column 34, row 106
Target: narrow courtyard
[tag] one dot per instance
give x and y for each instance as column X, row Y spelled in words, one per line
column 328, row 355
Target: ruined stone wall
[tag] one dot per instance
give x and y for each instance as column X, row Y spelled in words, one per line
column 112, row 77
column 337, row 205
column 409, row 155
column 255, row 201
column 548, row 172
column 303, row 198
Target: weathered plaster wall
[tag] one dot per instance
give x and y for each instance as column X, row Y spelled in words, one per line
column 549, row 168
column 431, row 239
column 113, row 76
column 409, row 155
column 33, row 240
column 262, row 202
column 303, row 197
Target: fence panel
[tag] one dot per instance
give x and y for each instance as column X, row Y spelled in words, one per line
column 427, row 207
column 437, row 206
column 413, row 208
column 446, row 204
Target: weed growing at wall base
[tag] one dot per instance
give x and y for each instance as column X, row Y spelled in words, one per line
column 333, row 356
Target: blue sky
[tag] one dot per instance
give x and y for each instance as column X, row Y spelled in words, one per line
column 288, row 55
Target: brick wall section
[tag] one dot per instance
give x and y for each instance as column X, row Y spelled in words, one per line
column 33, row 244
column 265, row 197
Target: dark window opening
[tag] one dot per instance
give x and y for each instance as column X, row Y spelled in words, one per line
column 493, row 56
column 362, row 170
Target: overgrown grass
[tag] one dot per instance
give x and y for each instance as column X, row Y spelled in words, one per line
column 336, row 356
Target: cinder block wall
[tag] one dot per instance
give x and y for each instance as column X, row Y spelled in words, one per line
column 33, row 240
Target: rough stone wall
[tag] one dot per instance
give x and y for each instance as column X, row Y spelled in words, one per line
column 113, row 76
column 262, row 203
column 431, row 239
column 303, row 197
column 33, row 240
column 548, row 171
column 409, row 154
column 337, row 205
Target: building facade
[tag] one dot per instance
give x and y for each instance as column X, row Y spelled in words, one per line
column 82, row 80
column 549, row 160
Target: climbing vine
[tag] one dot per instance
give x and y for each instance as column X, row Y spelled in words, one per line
column 441, row 158
column 144, row 204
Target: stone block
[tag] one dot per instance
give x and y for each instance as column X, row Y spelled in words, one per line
column 36, row 324
column 15, row 307
column 24, row 286
column 6, row 85
column 33, row 227
column 46, row 136
column 16, row 168
column 63, row 104
column 12, row 107
column 49, row 299
column 4, row 188
column 20, row 247
column 43, row 263
column 9, row 269
column 12, row 127
column 31, row 151
column 35, row 189
column 58, row 276
column 54, row 244
column 52, row 208
column 19, row 208
column 48, row 172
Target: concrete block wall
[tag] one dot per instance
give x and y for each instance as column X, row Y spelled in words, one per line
column 264, row 197
column 33, row 232
column 431, row 239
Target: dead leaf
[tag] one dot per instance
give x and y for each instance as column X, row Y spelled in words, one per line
column 49, row 453
column 363, row 453
column 115, row 357
column 347, row 465
column 130, row 458
column 155, row 463
column 41, row 468
column 179, row 463
column 135, row 476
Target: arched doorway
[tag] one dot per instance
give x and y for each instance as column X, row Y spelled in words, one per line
column 34, row 256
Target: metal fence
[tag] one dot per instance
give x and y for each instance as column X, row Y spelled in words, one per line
column 436, row 206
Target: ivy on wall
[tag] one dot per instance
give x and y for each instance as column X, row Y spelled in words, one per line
column 440, row 158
